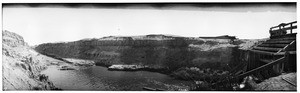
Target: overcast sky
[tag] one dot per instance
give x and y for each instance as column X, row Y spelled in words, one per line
column 54, row 23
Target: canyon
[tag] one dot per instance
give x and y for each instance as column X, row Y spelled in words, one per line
column 187, row 59
column 156, row 52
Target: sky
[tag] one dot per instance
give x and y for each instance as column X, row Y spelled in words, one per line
column 44, row 23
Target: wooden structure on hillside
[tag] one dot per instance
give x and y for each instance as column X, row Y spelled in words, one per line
column 276, row 55
column 270, row 58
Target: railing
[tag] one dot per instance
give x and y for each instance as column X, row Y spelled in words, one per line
column 282, row 29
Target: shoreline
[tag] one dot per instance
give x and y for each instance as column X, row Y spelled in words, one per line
column 201, row 85
column 57, row 67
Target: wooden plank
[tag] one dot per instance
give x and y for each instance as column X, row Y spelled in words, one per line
column 273, row 45
column 272, row 53
column 283, row 38
column 268, row 49
column 278, row 42
column 289, row 46
column 284, row 29
column 261, row 67
column 263, row 52
column 290, row 80
column 285, row 24
column 283, row 53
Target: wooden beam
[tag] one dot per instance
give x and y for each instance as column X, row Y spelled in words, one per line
column 283, row 38
column 263, row 52
column 291, row 23
column 285, row 29
column 273, row 45
column 268, row 49
column 278, row 42
column 262, row 67
column 283, row 53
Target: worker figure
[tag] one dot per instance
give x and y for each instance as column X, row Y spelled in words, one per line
column 281, row 31
column 272, row 33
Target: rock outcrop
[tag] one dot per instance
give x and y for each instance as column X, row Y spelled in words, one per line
column 22, row 65
column 75, row 64
column 80, row 62
column 135, row 68
column 126, row 67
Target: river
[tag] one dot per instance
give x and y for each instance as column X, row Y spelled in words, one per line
column 99, row 78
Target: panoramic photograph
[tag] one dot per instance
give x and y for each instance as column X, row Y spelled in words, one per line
column 186, row 46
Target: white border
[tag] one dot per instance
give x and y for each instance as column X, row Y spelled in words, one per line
column 130, row 1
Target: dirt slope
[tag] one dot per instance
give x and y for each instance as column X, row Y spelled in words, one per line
column 21, row 65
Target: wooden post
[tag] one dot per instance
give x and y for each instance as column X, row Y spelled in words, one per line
column 253, row 60
column 287, row 61
column 291, row 29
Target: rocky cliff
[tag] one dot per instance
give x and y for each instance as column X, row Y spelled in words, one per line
column 154, row 51
column 21, row 65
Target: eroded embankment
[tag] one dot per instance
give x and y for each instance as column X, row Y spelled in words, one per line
column 156, row 53
column 205, row 60
column 22, row 65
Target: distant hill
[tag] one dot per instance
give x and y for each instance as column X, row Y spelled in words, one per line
column 220, row 37
column 156, row 50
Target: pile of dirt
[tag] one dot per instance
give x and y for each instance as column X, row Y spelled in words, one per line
column 281, row 82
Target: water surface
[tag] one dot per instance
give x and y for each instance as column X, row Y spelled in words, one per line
column 99, row 78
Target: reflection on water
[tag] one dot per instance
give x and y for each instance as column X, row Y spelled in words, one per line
column 99, row 78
